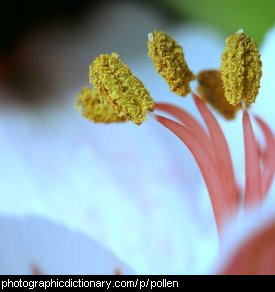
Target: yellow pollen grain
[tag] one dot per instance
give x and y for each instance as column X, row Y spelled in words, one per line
column 168, row 59
column 120, row 89
column 241, row 69
column 89, row 104
column 210, row 88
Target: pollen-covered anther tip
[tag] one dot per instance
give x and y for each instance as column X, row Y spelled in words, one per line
column 168, row 58
column 120, row 89
column 89, row 105
column 211, row 90
column 241, row 69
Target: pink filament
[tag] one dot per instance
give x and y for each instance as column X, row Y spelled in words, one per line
column 190, row 122
column 253, row 189
column 222, row 157
column 268, row 157
column 207, row 167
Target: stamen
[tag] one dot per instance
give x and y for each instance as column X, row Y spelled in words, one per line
column 120, row 89
column 269, row 156
column 211, row 91
column 222, row 157
column 207, row 167
column 168, row 59
column 253, row 182
column 89, row 104
column 241, row 69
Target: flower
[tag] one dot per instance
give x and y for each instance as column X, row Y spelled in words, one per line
column 72, row 169
column 210, row 150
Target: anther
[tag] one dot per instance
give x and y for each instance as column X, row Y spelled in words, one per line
column 120, row 89
column 241, row 69
column 168, row 59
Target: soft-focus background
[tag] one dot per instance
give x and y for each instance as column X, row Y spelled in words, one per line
column 134, row 190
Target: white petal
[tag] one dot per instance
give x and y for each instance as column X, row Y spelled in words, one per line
column 33, row 245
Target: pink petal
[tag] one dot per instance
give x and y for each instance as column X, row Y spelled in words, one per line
column 189, row 121
column 253, row 192
column 256, row 256
column 268, row 156
column 222, row 156
column 206, row 165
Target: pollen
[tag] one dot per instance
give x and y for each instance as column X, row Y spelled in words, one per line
column 89, row 104
column 168, row 59
column 211, row 91
column 241, row 69
column 120, row 89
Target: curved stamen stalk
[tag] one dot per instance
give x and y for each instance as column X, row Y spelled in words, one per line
column 222, row 156
column 253, row 188
column 207, row 167
column 268, row 157
column 190, row 122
